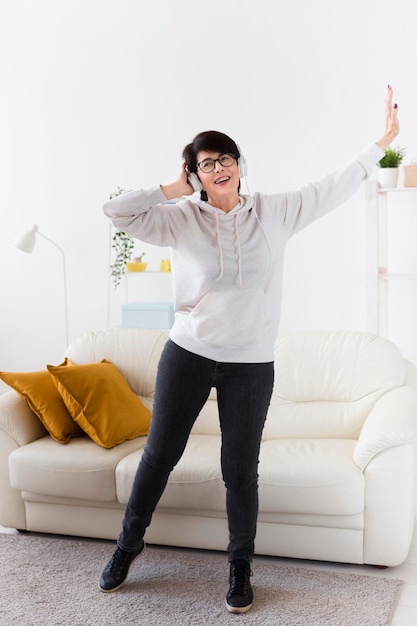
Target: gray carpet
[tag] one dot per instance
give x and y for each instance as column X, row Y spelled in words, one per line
column 52, row 581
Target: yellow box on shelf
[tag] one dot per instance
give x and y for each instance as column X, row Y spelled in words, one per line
column 136, row 266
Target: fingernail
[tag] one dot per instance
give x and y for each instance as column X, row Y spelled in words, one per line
column 395, row 106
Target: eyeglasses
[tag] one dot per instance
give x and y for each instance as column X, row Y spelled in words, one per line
column 208, row 165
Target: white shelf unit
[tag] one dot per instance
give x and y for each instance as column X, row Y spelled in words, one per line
column 147, row 299
column 380, row 202
column 148, row 286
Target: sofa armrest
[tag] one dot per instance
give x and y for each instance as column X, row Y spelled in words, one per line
column 17, row 421
column 392, row 422
column 18, row 426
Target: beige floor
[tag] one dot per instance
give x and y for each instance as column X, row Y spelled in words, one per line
column 406, row 612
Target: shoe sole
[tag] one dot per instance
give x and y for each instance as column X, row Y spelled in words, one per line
column 127, row 573
column 238, row 609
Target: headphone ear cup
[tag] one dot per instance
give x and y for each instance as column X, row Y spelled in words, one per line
column 242, row 166
column 195, row 182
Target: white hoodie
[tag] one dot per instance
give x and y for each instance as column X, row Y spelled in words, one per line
column 227, row 267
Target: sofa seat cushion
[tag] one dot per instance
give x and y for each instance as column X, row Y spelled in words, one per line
column 81, row 469
column 310, row 476
column 307, row 477
column 195, row 483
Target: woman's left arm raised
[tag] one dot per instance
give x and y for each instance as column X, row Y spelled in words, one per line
column 392, row 125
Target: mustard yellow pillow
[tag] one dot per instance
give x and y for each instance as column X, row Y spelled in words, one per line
column 42, row 396
column 101, row 402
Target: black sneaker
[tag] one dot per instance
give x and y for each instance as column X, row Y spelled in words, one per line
column 116, row 570
column 239, row 598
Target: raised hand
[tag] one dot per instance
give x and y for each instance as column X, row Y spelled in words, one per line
column 392, row 125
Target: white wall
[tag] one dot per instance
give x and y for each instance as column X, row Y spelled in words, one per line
column 101, row 93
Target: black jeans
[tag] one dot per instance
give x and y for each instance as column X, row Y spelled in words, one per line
column 183, row 385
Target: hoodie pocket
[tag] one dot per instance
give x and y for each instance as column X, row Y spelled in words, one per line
column 231, row 318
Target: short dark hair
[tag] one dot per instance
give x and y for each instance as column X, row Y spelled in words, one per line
column 209, row 141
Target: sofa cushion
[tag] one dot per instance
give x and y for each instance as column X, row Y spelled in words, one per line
column 134, row 351
column 195, row 482
column 101, row 402
column 44, row 399
column 336, row 366
column 316, row 419
column 310, row 476
column 79, row 470
column 326, row 383
column 294, row 477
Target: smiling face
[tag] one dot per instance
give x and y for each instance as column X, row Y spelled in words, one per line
column 221, row 184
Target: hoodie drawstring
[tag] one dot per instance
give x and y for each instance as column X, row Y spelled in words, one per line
column 239, row 253
column 219, row 244
column 239, row 280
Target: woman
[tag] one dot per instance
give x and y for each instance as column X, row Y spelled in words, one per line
column 227, row 259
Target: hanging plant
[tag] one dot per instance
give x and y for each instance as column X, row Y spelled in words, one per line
column 123, row 245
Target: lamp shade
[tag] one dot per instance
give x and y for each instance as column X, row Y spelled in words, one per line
column 27, row 240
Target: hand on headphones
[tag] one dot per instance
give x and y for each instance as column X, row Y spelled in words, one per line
column 178, row 188
column 191, row 179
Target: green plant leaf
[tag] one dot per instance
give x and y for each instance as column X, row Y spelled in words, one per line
column 392, row 157
column 123, row 245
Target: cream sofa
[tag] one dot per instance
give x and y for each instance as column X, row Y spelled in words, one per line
column 337, row 466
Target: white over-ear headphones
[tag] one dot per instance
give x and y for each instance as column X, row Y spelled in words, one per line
column 194, row 181
column 242, row 166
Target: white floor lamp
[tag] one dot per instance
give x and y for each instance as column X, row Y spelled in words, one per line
column 26, row 242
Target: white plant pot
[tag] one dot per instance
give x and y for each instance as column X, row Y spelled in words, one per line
column 388, row 177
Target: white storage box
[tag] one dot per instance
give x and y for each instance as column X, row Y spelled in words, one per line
column 148, row 315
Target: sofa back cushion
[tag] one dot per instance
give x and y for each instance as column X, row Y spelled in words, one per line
column 135, row 352
column 326, row 383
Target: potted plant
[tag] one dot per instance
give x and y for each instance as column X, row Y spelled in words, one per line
column 388, row 167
